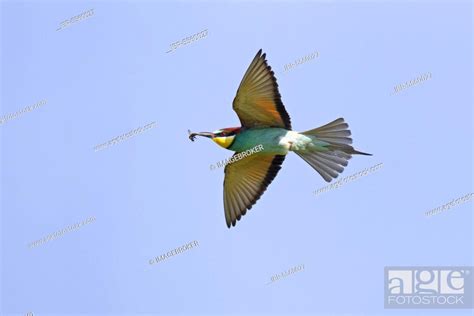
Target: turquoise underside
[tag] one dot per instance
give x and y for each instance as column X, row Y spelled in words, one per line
column 267, row 137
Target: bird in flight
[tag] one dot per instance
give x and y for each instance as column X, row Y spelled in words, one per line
column 267, row 125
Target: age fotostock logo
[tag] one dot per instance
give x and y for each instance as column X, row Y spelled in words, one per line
column 428, row 287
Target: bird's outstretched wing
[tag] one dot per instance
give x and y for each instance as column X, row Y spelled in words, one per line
column 245, row 181
column 258, row 102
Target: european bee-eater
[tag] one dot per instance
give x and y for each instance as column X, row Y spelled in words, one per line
column 265, row 122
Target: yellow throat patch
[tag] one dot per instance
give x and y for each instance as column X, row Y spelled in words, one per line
column 224, row 141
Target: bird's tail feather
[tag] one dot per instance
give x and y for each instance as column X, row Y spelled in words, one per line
column 334, row 156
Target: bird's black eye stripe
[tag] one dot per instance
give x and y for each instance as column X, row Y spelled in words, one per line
column 224, row 134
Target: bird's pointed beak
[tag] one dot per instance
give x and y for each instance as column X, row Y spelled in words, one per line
column 192, row 136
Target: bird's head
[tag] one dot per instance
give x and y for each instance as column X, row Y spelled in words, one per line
column 223, row 137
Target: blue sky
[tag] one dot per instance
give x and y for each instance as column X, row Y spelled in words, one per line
column 108, row 74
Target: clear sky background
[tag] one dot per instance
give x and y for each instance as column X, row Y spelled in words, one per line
column 109, row 74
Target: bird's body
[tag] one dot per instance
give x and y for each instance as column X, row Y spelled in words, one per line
column 269, row 138
column 275, row 140
column 267, row 125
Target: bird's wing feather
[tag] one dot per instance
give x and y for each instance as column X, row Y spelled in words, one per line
column 258, row 102
column 245, row 181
